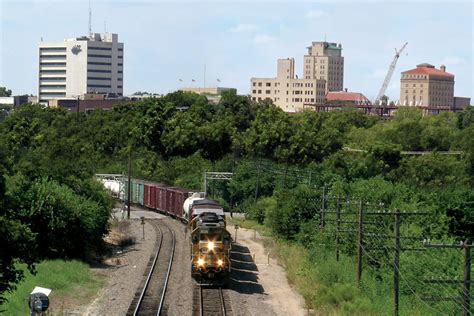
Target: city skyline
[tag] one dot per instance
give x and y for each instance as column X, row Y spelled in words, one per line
column 240, row 40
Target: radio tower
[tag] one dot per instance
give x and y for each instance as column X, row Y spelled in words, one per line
column 389, row 73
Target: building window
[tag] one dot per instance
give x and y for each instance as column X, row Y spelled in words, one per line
column 53, row 64
column 98, row 86
column 120, row 71
column 120, row 57
column 98, row 78
column 259, row 91
column 53, row 56
column 58, row 94
column 120, row 64
column 254, row 91
column 259, row 84
column 101, row 48
column 254, row 84
column 59, row 86
column 52, row 71
column 100, row 70
column 98, row 63
column 99, row 56
column 268, row 91
column 52, row 49
column 53, row 79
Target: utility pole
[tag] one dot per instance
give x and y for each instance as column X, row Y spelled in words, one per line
column 129, row 188
column 323, row 207
column 359, row 243
column 396, row 264
column 338, row 225
column 467, row 279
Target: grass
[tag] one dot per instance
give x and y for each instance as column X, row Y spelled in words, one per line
column 72, row 283
column 329, row 286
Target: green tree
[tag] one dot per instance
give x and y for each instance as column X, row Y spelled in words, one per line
column 292, row 210
column 269, row 133
column 4, row 92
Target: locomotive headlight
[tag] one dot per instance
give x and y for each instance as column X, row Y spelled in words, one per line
column 220, row 262
column 200, row 262
column 210, row 245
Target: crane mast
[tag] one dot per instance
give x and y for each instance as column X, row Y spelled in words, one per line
column 391, row 69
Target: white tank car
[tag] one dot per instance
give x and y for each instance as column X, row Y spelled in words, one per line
column 113, row 186
column 188, row 203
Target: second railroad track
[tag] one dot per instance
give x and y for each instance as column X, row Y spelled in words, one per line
column 149, row 300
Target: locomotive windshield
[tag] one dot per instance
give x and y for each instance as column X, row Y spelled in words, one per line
column 211, row 237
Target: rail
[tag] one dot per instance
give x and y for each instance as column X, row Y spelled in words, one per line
column 148, row 292
column 211, row 301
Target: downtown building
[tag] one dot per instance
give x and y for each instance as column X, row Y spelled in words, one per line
column 431, row 88
column 323, row 71
column 79, row 66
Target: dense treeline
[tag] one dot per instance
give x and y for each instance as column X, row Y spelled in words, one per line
column 52, row 207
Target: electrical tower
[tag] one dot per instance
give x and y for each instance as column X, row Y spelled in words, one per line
column 389, row 73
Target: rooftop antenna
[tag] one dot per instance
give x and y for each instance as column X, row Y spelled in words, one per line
column 90, row 19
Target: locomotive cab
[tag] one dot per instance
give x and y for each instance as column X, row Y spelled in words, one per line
column 210, row 249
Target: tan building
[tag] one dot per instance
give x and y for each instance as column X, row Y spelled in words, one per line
column 427, row 86
column 324, row 61
column 286, row 91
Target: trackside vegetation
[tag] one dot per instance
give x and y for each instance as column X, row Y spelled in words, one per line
column 285, row 167
column 71, row 280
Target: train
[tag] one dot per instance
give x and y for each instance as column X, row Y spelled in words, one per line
column 209, row 238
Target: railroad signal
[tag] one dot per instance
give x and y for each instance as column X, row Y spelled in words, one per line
column 143, row 225
column 38, row 300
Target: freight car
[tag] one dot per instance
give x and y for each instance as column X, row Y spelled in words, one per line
column 210, row 240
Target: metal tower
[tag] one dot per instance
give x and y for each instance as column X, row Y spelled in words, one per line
column 389, row 73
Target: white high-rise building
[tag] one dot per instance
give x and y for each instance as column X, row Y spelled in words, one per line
column 87, row 64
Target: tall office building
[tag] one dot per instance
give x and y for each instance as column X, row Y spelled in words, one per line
column 86, row 64
column 324, row 61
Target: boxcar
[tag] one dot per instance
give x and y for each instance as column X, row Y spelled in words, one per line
column 161, row 198
column 149, row 195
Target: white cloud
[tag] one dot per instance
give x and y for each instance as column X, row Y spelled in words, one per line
column 316, row 14
column 263, row 39
column 452, row 61
column 243, row 28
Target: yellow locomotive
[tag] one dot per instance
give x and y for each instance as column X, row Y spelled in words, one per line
column 210, row 241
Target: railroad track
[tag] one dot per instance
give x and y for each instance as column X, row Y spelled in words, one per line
column 150, row 299
column 211, row 301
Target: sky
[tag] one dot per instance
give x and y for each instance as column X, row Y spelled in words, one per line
column 233, row 41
